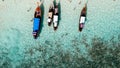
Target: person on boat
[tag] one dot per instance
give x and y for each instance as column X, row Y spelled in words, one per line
column 37, row 20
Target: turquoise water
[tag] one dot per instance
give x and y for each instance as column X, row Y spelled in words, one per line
column 96, row 46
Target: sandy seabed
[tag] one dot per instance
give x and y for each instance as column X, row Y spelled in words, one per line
column 98, row 45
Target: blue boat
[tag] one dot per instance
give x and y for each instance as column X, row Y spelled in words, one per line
column 37, row 21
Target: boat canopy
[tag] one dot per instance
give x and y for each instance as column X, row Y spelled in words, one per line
column 82, row 19
column 36, row 24
column 55, row 18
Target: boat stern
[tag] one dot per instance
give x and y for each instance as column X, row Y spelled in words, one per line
column 81, row 25
column 49, row 21
column 55, row 25
column 35, row 34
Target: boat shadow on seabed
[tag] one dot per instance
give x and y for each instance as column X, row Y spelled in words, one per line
column 42, row 19
column 59, row 10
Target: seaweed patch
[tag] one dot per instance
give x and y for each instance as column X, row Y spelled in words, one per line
column 53, row 56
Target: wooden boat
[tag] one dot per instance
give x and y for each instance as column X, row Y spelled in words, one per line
column 82, row 18
column 55, row 17
column 50, row 14
column 37, row 21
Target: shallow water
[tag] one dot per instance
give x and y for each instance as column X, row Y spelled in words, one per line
column 66, row 47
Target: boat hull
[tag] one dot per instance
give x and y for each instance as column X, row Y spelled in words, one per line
column 50, row 14
column 36, row 23
column 55, row 18
column 82, row 18
column 50, row 18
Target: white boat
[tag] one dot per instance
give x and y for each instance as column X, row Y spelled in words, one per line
column 82, row 18
column 50, row 14
column 55, row 17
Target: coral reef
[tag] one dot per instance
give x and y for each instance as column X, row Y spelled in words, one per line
column 50, row 55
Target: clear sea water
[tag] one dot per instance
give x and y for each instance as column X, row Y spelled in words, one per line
column 96, row 46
